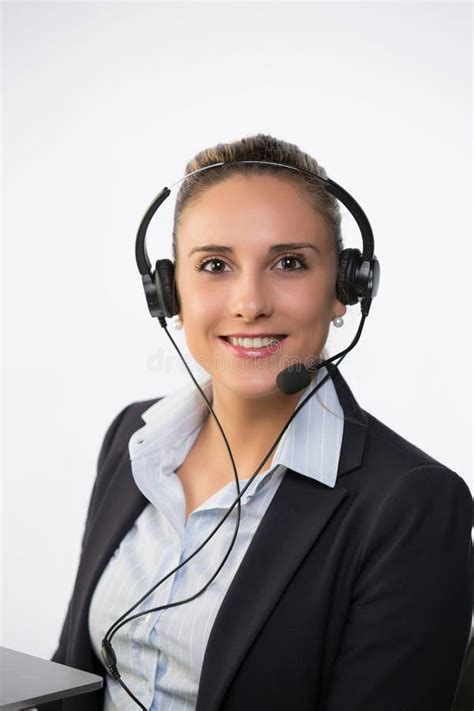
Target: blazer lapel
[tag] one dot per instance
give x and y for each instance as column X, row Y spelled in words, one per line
column 355, row 425
column 293, row 521
column 290, row 527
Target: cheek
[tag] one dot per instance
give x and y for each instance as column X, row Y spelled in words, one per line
column 310, row 302
column 201, row 305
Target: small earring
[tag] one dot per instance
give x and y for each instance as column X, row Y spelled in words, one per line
column 338, row 321
column 177, row 323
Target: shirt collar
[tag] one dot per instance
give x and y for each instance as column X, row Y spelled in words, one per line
column 311, row 444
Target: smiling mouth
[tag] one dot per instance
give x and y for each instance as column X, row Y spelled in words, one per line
column 274, row 338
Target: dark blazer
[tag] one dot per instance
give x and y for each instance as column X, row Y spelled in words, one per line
column 352, row 598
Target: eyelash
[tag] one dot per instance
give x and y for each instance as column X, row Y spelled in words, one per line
column 200, row 267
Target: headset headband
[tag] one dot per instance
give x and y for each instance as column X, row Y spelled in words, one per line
column 141, row 254
column 358, row 275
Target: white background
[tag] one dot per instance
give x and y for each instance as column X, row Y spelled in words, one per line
column 103, row 104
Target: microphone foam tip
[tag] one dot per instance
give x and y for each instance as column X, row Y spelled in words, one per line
column 293, row 379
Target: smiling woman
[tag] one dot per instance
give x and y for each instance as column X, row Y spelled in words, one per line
column 347, row 581
column 287, row 218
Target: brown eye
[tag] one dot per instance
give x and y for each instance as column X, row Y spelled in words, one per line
column 290, row 258
column 209, row 260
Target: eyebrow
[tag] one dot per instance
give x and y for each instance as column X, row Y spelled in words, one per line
column 274, row 248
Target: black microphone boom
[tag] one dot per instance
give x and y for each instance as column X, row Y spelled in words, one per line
column 297, row 376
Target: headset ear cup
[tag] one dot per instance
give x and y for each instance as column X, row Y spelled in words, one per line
column 165, row 287
column 346, row 286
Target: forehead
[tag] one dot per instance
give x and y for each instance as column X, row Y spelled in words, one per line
column 245, row 207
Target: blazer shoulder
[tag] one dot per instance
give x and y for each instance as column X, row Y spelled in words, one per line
column 388, row 457
column 384, row 441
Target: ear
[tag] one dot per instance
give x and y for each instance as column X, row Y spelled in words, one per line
column 339, row 309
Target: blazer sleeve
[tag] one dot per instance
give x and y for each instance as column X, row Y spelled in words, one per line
column 410, row 615
column 106, row 447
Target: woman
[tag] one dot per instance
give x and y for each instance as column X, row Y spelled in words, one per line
column 348, row 586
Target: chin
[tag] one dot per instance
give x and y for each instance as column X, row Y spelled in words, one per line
column 251, row 385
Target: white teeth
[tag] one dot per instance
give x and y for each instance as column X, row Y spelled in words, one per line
column 252, row 342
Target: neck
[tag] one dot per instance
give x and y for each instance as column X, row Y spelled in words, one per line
column 251, row 425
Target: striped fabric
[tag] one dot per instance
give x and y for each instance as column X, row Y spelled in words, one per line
column 160, row 654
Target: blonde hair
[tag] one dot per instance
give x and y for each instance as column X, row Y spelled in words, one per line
column 266, row 148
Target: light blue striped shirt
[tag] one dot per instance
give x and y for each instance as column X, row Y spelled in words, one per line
column 160, row 654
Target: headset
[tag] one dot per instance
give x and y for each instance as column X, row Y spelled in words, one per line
column 357, row 281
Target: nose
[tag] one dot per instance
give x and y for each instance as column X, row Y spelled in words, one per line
column 251, row 298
